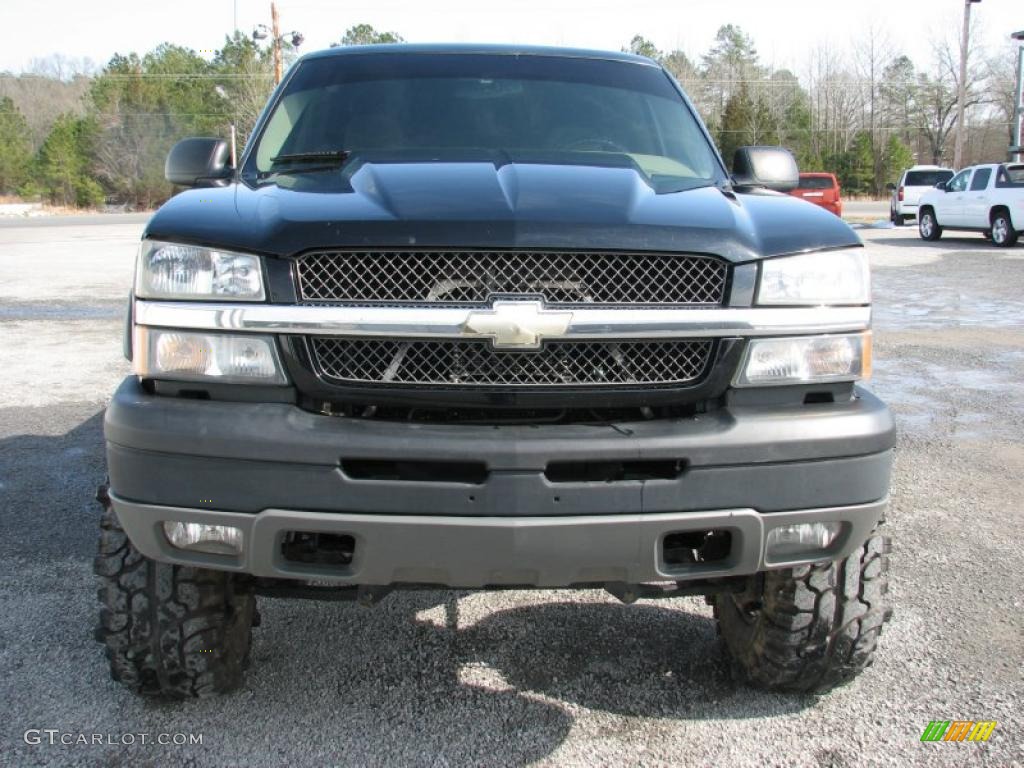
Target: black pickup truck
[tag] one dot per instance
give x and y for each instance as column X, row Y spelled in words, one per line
column 492, row 318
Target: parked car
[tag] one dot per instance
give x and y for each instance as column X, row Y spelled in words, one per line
column 982, row 198
column 497, row 318
column 821, row 189
column 913, row 183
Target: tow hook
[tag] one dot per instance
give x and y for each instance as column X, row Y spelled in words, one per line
column 630, row 593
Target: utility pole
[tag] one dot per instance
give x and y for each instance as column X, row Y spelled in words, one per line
column 276, row 31
column 1017, row 148
column 961, row 96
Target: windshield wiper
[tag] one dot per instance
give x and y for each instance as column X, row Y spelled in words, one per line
column 308, row 162
column 321, row 156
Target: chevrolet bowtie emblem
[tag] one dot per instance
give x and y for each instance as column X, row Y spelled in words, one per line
column 517, row 324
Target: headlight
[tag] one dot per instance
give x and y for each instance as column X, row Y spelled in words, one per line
column 175, row 271
column 230, row 358
column 827, row 277
column 806, row 360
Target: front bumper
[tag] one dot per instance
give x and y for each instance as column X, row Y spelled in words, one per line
column 269, row 468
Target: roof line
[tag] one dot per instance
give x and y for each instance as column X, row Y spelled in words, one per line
column 480, row 49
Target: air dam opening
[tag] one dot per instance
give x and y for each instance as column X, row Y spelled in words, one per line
column 613, row 471
column 697, row 547
column 330, row 549
column 466, row 472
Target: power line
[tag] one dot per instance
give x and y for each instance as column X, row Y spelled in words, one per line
column 156, row 75
column 694, row 81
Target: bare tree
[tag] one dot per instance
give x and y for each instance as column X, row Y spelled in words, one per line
column 42, row 99
column 57, row 66
column 1001, row 71
column 937, row 98
column 873, row 53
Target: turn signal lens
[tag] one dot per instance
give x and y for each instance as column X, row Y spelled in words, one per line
column 806, row 360
column 230, row 358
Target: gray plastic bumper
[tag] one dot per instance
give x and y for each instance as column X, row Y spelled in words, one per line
column 481, row 551
column 271, row 467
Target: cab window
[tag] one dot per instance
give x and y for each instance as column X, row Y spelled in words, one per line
column 980, row 180
column 959, row 182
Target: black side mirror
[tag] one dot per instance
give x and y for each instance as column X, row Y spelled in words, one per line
column 769, row 167
column 890, row 187
column 199, row 162
column 941, row 185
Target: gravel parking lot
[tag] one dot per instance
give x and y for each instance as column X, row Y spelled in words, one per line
column 510, row 678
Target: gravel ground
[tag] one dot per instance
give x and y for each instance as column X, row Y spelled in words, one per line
column 510, row 678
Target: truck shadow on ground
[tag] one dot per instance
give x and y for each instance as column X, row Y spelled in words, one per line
column 523, row 670
column 48, row 483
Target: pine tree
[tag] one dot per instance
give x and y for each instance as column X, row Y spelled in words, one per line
column 64, row 163
column 15, row 152
column 737, row 118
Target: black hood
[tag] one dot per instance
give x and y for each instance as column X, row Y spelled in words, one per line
column 485, row 205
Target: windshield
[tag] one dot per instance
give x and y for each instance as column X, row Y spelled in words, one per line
column 926, row 178
column 526, row 108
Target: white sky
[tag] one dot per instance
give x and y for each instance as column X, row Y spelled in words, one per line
column 782, row 29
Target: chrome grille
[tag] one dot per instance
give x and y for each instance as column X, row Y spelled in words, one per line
column 478, row 364
column 470, row 278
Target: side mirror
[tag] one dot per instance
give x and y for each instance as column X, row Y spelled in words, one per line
column 769, row 167
column 890, row 187
column 941, row 185
column 199, row 162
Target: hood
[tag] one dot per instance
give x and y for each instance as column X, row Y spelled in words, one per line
column 484, row 205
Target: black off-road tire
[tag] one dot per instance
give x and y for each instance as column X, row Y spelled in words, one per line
column 811, row 628
column 170, row 631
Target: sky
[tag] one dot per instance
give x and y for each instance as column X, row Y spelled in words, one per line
column 782, row 29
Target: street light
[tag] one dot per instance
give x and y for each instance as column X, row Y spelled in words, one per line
column 262, row 32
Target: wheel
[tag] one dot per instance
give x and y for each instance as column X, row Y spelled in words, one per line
column 811, row 628
column 1002, row 232
column 171, row 631
column 928, row 226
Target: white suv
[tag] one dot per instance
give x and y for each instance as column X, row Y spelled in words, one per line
column 913, row 183
column 982, row 198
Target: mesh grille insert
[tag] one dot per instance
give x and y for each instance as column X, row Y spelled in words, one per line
column 477, row 363
column 469, row 278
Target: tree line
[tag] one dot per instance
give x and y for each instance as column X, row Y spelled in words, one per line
column 79, row 138
column 865, row 116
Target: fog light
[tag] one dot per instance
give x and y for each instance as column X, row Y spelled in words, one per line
column 793, row 540
column 200, row 537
